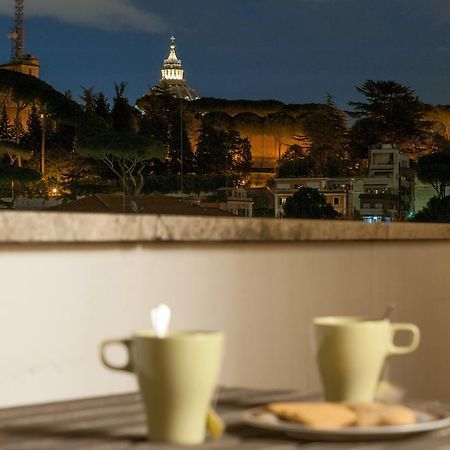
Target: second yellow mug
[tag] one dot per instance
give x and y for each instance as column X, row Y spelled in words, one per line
column 351, row 352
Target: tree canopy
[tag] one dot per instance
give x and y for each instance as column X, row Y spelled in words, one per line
column 299, row 167
column 127, row 155
column 437, row 210
column 30, row 89
column 327, row 129
column 10, row 173
column 293, row 152
column 308, row 203
column 392, row 113
column 435, row 170
column 222, row 152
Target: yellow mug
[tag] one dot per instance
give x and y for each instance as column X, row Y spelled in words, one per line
column 351, row 352
column 177, row 379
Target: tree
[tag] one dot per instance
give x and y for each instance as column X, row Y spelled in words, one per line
column 211, row 155
column 22, row 91
column 86, row 176
column 178, row 142
column 14, row 151
column 309, row 203
column 327, row 129
column 88, row 98
column 293, row 152
column 164, row 120
column 122, row 113
column 9, row 173
column 6, row 132
column 222, row 152
column 239, row 152
column 32, row 138
column 437, row 210
column 158, row 109
column 102, row 107
column 299, row 167
column 127, row 155
column 392, row 113
column 435, row 170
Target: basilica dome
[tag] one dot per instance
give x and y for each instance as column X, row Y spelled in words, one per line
column 173, row 80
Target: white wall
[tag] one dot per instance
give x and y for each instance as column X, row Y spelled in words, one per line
column 59, row 303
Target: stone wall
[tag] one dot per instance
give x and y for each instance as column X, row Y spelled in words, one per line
column 72, row 281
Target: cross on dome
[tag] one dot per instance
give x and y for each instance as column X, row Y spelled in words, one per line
column 173, row 39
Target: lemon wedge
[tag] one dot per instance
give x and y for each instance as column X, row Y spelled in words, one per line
column 214, row 424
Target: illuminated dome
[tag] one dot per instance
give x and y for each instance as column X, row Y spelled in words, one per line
column 172, row 77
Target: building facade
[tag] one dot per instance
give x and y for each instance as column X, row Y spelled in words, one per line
column 335, row 190
column 232, row 200
column 387, row 193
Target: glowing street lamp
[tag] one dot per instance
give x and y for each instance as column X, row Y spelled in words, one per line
column 43, row 137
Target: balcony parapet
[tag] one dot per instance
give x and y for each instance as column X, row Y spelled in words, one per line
column 70, row 228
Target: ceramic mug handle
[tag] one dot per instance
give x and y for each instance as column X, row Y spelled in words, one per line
column 415, row 338
column 128, row 367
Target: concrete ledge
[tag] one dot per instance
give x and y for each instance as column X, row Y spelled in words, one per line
column 44, row 227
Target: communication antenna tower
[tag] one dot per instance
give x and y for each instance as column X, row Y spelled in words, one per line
column 17, row 35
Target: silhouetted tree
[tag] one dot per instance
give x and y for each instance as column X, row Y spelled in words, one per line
column 435, row 170
column 88, row 99
column 32, row 138
column 127, row 155
column 437, row 210
column 299, row 167
column 222, row 152
column 293, row 152
column 327, row 129
column 178, row 142
column 164, row 120
column 392, row 113
column 122, row 113
column 6, row 132
column 10, row 173
column 239, row 150
column 309, row 203
column 102, row 107
column 211, row 155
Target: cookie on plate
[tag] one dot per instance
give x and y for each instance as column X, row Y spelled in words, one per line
column 377, row 414
column 315, row 415
column 367, row 414
column 398, row 415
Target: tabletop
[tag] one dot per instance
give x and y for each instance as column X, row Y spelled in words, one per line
column 117, row 423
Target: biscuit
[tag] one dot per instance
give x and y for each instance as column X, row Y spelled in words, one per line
column 315, row 415
column 398, row 415
column 377, row 414
column 367, row 414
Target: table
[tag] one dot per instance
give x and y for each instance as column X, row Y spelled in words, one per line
column 117, row 423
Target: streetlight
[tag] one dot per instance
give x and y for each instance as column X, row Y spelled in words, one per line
column 43, row 117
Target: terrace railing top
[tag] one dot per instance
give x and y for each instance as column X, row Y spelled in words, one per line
column 57, row 227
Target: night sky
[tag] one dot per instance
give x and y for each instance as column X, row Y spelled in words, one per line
column 290, row 50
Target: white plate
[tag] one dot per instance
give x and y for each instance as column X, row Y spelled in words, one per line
column 429, row 417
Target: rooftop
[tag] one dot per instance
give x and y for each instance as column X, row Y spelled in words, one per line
column 152, row 204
